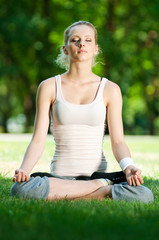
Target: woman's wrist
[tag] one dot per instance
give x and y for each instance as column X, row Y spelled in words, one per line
column 125, row 162
column 22, row 169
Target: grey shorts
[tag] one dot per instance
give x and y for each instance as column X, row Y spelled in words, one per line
column 38, row 188
column 123, row 191
column 35, row 188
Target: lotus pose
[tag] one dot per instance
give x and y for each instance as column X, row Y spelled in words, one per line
column 79, row 102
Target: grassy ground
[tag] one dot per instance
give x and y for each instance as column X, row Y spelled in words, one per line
column 81, row 220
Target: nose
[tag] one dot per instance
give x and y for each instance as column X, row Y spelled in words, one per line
column 81, row 43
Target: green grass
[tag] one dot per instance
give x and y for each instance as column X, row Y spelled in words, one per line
column 79, row 220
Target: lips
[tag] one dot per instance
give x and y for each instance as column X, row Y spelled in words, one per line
column 82, row 51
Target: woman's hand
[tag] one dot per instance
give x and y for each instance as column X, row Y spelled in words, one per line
column 20, row 176
column 133, row 176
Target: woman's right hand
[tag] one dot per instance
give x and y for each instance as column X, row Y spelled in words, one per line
column 20, row 176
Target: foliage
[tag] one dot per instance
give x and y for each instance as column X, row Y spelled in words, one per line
column 31, row 33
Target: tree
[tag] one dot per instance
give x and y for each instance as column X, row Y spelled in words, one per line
column 31, row 34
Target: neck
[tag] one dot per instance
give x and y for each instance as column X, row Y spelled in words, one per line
column 80, row 71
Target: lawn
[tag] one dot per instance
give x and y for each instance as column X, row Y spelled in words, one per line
column 81, row 220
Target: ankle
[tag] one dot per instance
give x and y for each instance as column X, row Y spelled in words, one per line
column 107, row 190
column 98, row 183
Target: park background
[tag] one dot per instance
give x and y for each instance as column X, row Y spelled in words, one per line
column 31, row 34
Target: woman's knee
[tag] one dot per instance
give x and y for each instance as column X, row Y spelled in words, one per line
column 126, row 192
column 16, row 189
column 35, row 188
column 146, row 195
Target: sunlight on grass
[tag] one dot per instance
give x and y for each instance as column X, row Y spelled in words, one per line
column 80, row 219
column 12, row 150
column 144, row 151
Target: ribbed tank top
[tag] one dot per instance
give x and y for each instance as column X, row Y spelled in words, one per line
column 78, row 133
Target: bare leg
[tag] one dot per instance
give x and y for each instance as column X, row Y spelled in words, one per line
column 101, row 193
column 74, row 189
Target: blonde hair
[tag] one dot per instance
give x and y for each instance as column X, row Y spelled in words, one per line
column 63, row 60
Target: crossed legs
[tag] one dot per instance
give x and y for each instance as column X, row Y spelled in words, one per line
column 54, row 188
column 77, row 189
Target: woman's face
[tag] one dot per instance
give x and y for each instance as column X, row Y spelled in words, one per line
column 81, row 44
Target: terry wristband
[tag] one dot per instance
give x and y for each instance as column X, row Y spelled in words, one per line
column 125, row 162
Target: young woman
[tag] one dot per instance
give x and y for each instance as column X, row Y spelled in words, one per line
column 79, row 101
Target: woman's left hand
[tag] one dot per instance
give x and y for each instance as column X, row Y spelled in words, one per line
column 133, row 176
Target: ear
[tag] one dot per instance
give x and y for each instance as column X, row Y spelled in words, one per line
column 96, row 49
column 65, row 50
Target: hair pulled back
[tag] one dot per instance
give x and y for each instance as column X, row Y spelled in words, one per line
column 62, row 59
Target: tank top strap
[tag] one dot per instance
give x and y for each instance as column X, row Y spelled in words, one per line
column 101, row 87
column 58, row 87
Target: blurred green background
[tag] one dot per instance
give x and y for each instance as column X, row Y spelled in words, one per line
column 31, row 33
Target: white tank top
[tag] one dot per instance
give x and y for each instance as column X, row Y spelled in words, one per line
column 78, row 133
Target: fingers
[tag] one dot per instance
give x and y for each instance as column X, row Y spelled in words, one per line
column 26, row 178
column 129, row 181
column 134, row 177
column 138, row 173
column 20, row 176
column 15, row 178
column 137, row 180
column 23, row 177
column 133, row 181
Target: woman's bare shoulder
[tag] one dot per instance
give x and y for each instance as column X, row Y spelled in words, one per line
column 48, row 83
column 48, row 88
column 111, row 91
column 111, row 86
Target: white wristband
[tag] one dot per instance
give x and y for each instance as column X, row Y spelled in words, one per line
column 125, row 162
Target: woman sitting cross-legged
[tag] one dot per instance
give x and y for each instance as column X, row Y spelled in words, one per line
column 79, row 102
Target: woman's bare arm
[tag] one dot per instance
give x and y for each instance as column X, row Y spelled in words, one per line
column 113, row 97
column 45, row 97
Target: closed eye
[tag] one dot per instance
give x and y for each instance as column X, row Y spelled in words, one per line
column 74, row 40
